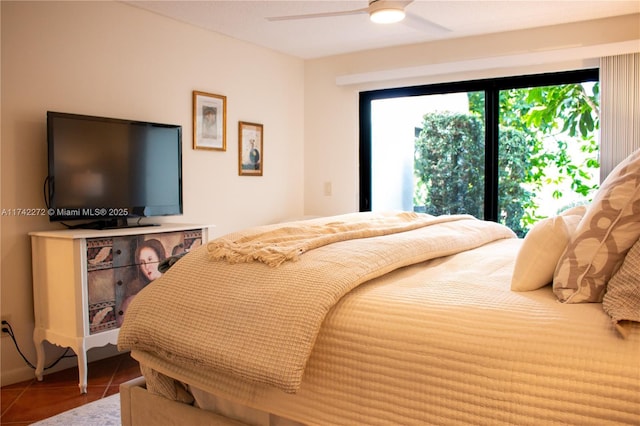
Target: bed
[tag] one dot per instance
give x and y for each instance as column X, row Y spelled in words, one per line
column 399, row 318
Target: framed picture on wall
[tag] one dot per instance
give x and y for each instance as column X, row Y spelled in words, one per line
column 209, row 121
column 251, row 154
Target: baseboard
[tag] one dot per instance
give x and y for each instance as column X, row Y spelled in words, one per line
column 24, row 373
column 16, row 375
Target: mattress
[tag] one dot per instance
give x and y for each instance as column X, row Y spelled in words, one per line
column 444, row 341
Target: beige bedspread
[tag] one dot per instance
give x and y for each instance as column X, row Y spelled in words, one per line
column 260, row 323
column 446, row 342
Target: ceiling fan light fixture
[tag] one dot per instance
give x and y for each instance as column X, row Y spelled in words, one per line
column 387, row 15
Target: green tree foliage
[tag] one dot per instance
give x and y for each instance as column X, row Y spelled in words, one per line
column 539, row 128
column 513, row 167
column 566, row 116
column 449, row 168
column 449, row 164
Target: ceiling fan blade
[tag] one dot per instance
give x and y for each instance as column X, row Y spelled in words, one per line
column 422, row 24
column 318, row 15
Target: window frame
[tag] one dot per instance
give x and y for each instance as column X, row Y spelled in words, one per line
column 491, row 88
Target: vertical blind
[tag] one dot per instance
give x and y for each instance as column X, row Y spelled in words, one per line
column 619, row 109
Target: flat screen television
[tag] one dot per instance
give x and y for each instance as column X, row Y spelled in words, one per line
column 109, row 170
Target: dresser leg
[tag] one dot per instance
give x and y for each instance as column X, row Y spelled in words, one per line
column 38, row 339
column 81, row 352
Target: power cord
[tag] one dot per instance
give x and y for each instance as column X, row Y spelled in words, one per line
column 6, row 328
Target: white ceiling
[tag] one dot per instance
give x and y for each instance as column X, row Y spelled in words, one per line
column 429, row 20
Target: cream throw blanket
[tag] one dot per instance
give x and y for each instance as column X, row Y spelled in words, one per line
column 274, row 246
column 259, row 322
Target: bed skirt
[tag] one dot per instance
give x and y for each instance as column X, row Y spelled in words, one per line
column 141, row 408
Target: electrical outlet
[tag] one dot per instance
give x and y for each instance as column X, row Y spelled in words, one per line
column 7, row 318
column 327, row 189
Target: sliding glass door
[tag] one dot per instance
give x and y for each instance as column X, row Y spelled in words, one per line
column 406, row 135
column 510, row 150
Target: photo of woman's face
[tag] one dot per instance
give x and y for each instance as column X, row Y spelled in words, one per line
column 149, row 263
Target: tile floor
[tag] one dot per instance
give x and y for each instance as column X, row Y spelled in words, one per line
column 30, row 401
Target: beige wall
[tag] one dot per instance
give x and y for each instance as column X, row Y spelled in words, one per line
column 114, row 60
column 332, row 86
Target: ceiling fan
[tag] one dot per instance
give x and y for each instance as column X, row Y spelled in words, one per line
column 380, row 11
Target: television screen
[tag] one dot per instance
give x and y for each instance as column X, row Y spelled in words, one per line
column 112, row 169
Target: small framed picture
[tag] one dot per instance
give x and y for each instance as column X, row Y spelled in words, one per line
column 209, row 121
column 251, row 154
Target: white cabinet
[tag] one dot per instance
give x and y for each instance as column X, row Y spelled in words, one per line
column 84, row 279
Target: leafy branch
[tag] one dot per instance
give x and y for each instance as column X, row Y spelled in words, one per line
column 540, row 130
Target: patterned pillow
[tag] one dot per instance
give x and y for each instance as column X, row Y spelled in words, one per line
column 541, row 250
column 622, row 299
column 609, row 228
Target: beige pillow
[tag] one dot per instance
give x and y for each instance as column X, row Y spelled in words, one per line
column 579, row 210
column 540, row 251
column 622, row 299
column 609, row 228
